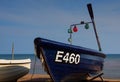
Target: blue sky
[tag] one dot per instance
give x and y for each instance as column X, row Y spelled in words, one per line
column 21, row 21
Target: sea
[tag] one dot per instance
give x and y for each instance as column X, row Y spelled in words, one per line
column 111, row 64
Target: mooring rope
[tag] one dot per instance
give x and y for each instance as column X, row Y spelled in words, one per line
column 35, row 58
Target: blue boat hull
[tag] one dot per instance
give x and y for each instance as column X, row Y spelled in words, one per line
column 65, row 62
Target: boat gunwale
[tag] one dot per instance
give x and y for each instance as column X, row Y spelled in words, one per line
column 49, row 44
column 14, row 63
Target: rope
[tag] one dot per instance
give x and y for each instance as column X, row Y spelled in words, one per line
column 34, row 67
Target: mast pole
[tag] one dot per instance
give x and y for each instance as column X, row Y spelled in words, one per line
column 12, row 51
column 89, row 6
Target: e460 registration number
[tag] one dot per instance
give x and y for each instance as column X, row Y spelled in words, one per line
column 70, row 58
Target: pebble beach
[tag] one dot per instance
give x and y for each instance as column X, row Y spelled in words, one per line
column 35, row 78
column 46, row 78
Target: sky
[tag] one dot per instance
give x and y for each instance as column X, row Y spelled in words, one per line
column 21, row 21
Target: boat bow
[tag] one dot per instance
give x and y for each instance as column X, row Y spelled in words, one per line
column 63, row 61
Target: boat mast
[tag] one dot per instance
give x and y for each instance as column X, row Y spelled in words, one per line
column 89, row 6
column 12, row 51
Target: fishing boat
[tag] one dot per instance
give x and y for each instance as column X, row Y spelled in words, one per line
column 12, row 70
column 68, row 62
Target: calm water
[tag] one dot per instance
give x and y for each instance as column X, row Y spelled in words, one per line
column 111, row 64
